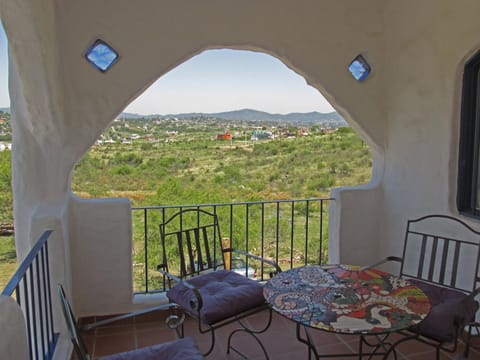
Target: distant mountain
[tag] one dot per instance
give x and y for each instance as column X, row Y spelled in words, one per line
column 252, row 116
column 125, row 115
column 310, row 118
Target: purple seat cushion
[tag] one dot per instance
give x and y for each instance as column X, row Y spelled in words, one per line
column 439, row 324
column 175, row 350
column 224, row 293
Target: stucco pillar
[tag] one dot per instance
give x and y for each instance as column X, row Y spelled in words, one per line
column 13, row 343
column 40, row 159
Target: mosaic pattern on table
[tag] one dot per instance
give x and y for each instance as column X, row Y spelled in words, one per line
column 343, row 299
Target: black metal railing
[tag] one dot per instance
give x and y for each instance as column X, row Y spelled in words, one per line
column 30, row 287
column 289, row 232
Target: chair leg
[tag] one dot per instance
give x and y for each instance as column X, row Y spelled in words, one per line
column 212, row 343
column 176, row 323
column 253, row 332
column 203, row 329
column 308, row 341
column 467, row 341
column 180, row 331
column 466, row 350
column 208, row 329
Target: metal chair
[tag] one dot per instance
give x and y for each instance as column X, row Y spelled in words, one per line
column 174, row 350
column 441, row 256
column 196, row 266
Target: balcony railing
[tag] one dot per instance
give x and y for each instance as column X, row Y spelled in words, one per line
column 30, row 287
column 290, row 232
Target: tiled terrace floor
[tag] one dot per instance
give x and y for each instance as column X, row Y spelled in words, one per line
column 279, row 340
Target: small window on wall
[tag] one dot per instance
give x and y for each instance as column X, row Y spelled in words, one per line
column 468, row 192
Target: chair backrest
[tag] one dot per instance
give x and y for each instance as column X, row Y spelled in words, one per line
column 442, row 250
column 191, row 243
column 78, row 344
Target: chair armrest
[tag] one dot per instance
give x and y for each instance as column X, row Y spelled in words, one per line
column 194, row 305
column 381, row 262
column 172, row 321
column 259, row 258
column 168, row 275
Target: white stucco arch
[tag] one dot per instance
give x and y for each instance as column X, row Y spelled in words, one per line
column 311, row 80
column 61, row 104
column 408, row 110
column 316, row 83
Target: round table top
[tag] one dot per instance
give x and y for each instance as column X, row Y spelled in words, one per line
column 343, row 299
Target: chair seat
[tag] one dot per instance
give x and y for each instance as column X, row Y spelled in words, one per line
column 224, row 293
column 439, row 324
column 175, row 350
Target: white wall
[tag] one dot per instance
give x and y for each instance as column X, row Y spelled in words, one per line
column 13, row 342
column 101, row 256
column 61, row 104
column 408, row 110
column 423, row 70
column 299, row 33
column 356, row 229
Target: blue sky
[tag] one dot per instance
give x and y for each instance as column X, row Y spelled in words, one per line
column 215, row 81
column 4, row 98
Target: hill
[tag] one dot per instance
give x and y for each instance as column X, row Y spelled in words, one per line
column 333, row 119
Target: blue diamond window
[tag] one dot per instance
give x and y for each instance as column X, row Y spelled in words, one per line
column 101, row 55
column 359, row 68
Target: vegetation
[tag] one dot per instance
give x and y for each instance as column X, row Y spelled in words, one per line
column 6, row 198
column 193, row 167
column 8, row 260
column 197, row 169
column 172, row 162
column 5, row 129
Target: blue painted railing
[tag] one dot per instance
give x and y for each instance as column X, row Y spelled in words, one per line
column 30, row 287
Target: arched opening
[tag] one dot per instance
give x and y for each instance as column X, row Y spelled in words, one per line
column 225, row 127
column 215, row 91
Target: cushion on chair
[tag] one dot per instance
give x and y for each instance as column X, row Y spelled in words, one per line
column 439, row 324
column 224, row 293
column 175, row 350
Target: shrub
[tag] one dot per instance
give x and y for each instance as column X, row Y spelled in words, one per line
column 129, row 158
column 123, row 170
column 146, row 146
column 322, row 183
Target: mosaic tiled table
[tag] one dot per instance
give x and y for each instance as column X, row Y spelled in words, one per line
column 343, row 299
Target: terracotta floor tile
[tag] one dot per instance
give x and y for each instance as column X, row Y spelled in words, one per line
column 280, row 340
column 154, row 336
column 89, row 340
column 86, row 320
column 127, row 321
column 154, row 316
column 150, row 326
column 111, row 344
column 247, row 344
column 117, row 329
column 220, row 353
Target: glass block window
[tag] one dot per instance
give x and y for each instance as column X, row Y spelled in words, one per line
column 359, row 68
column 101, row 55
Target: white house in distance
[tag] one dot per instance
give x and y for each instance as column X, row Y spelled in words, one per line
column 5, row 146
column 409, row 110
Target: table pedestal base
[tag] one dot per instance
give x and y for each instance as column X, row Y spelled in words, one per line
column 379, row 347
